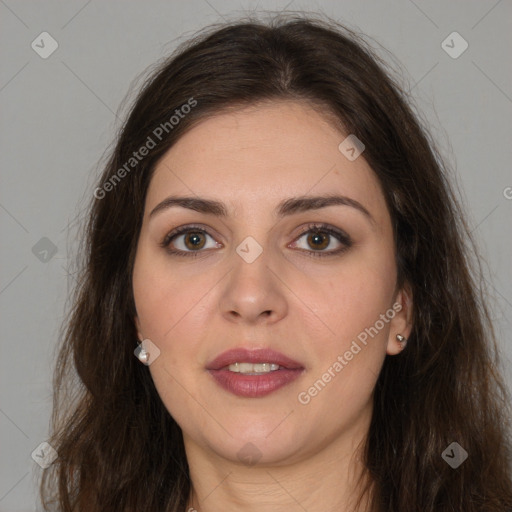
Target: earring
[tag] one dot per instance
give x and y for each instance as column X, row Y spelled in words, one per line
column 401, row 339
column 142, row 354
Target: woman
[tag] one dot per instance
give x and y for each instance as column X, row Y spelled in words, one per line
column 275, row 239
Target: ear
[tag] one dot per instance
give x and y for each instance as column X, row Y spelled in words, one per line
column 401, row 323
column 137, row 326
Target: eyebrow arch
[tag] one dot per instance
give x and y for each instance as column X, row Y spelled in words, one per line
column 287, row 207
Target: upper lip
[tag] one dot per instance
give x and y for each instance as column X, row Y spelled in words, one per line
column 261, row 355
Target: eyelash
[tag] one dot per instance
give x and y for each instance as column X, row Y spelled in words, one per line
column 341, row 236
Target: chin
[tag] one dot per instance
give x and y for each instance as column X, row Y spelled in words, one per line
column 251, row 445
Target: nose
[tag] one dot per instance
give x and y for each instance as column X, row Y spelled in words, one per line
column 253, row 293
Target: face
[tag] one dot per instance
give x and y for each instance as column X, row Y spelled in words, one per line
column 311, row 281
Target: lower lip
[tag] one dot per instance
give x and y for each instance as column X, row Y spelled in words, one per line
column 254, row 386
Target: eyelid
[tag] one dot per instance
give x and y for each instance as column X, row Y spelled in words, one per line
column 323, row 227
column 181, row 230
column 343, row 238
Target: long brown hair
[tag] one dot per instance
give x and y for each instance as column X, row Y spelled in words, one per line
column 118, row 447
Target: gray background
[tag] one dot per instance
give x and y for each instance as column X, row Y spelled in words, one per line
column 59, row 114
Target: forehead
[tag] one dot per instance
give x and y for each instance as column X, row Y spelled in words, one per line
column 254, row 157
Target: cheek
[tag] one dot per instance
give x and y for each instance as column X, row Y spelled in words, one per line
column 171, row 304
column 169, row 309
column 355, row 304
column 163, row 295
column 350, row 296
column 348, row 363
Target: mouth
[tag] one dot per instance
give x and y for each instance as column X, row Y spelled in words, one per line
column 253, row 373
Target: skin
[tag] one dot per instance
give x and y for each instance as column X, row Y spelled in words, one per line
column 309, row 308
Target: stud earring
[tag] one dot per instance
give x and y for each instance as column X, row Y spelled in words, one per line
column 401, row 339
column 142, row 354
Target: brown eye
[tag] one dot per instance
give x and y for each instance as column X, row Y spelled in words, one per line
column 194, row 240
column 189, row 241
column 318, row 240
column 322, row 240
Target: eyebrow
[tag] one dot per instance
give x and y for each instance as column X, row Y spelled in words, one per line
column 287, row 207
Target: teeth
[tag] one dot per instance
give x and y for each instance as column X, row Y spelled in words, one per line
column 253, row 369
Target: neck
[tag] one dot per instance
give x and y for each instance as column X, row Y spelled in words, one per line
column 330, row 479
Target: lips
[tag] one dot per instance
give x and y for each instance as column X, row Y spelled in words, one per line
column 250, row 385
column 242, row 355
